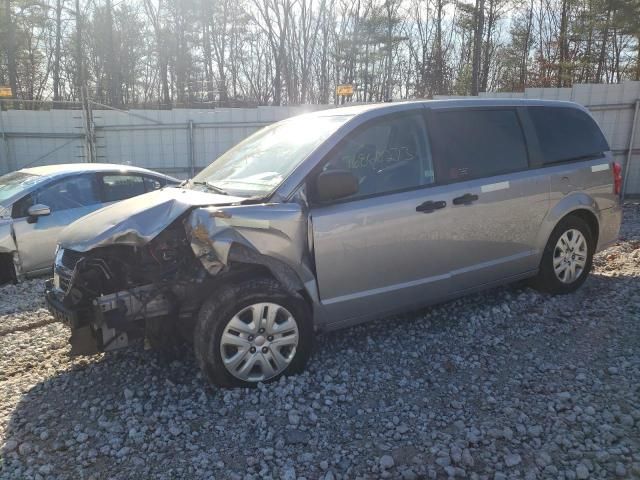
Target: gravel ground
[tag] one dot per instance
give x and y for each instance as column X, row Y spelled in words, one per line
column 506, row 384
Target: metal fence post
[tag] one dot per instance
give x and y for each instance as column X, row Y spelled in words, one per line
column 88, row 125
column 5, row 143
column 627, row 165
column 192, row 156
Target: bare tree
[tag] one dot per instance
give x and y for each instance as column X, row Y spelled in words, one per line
column 155, row 17
column 477, row 46
column 184, row 52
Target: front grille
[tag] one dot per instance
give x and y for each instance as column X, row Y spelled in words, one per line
column 70, row 258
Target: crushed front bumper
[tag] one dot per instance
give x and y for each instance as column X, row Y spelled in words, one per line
column 57, row 308
column 83, row 339
column 110, row 321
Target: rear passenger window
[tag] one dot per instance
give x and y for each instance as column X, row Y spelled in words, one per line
column 471, row 144
column 119, row 187
column 566, row 134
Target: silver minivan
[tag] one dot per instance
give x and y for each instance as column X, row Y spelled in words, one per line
column 337, row 217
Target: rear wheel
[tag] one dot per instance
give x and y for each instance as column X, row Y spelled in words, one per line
column 251, row 332
column 567, row 258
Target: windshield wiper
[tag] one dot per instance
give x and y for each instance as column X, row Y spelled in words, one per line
column 212, row 187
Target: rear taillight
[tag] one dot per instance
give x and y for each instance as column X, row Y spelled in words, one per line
column 616, row 169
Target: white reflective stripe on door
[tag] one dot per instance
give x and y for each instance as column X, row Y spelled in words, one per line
column 493, row 187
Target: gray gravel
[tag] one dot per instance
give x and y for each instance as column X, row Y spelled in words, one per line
column 506, row 384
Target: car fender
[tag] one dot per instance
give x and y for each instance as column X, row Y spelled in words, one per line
column 570, row 203
column 271, row 235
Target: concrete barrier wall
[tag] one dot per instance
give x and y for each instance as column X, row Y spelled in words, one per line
column 170, row 141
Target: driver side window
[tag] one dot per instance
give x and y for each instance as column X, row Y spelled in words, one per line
column 68, row 193
column 386, row 155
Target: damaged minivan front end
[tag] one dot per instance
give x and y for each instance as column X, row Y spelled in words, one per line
column 224, row 261
column 152, row 261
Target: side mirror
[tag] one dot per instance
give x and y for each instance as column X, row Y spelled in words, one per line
column 37, row 210
column 335, row 184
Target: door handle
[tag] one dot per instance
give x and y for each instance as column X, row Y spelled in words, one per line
column 430, row 206
column 466, row 199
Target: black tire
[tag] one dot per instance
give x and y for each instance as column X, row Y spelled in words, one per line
column 226, row 302
column 7, row 269
column 161, row 335
column 547, row 280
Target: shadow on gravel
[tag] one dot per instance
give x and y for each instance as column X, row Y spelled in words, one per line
column 120, row 414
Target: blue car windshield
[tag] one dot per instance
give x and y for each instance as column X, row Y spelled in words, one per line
column 259, row 164
column 13, row 183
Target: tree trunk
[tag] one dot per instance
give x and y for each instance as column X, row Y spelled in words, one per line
column 562, row 43
column 113, row 94
column 277, row 78
column 324, row 60
column 206, row 49
column 525, row 50
column 56, row 54
column 220, row 49
column 438, row 70
column 585, row 74
column 389, row 79
column 11, row 50
column 487, row 48
column 477, row 47
column 603, row 46
column 80, row 80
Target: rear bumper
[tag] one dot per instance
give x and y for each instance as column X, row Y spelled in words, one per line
column 610, row 222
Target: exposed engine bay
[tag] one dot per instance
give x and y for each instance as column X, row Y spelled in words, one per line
column 116, row 291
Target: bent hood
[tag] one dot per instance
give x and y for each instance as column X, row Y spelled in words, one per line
column 138, row 220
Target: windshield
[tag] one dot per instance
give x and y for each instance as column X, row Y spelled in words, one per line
column 257, row 165
column 15, row 182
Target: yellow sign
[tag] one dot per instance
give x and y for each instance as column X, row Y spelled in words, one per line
column 5, row 92
column 344, row 90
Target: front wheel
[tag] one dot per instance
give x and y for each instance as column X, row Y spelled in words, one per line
column 567, row 258
column 253, row 331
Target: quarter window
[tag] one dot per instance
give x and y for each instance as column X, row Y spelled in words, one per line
column 471, row 144
column 386, row 155
column 566, row 134
column 120, row 187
